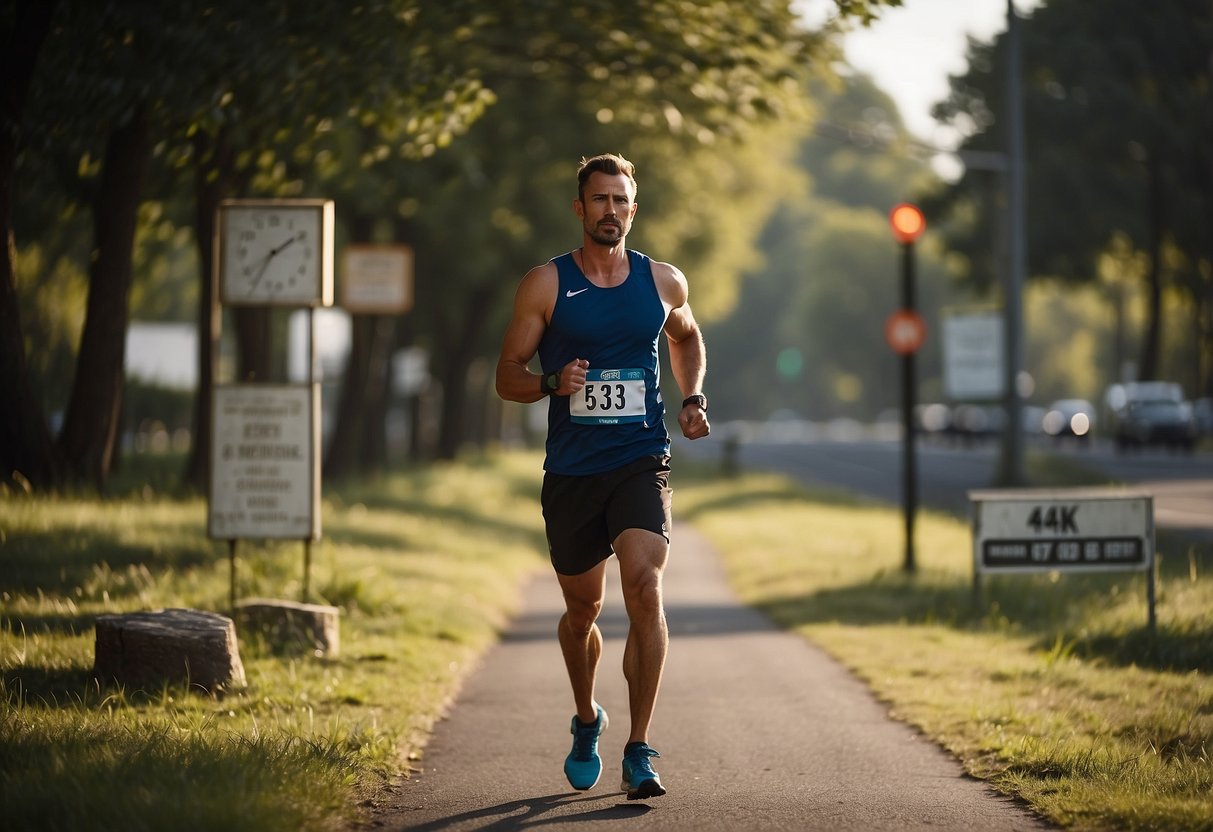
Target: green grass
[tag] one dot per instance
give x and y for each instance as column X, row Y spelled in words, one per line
column 1051, row 686
column 425, row 568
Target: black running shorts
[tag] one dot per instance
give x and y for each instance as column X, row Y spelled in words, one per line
column 584, row 514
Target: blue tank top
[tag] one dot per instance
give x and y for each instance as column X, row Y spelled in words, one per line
column 615, row 329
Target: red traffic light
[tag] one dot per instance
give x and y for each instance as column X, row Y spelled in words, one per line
column 907, row 222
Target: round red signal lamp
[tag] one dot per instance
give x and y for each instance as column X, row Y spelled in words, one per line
column 904, row 331
column 907, row 222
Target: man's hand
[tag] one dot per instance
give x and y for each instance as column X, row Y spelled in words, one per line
column 572, row 377
column 694, row 422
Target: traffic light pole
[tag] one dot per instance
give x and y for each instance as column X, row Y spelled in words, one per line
column 908, row 402
column 908, row 223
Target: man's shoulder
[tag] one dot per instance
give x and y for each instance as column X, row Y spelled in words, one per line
column 666, row 270
column 670, row 281
column 538, row 287
column 659, row 268
column 542, row 273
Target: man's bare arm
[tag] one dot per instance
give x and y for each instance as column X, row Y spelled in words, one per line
column 532, row 305
column 688, row 355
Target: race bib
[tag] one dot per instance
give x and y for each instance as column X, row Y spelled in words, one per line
column 610, row 397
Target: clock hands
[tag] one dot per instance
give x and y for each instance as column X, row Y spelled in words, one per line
column 265, row 261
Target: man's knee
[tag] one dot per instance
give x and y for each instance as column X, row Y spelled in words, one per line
column 641, row 584
column 580, row 614
column 643, row 597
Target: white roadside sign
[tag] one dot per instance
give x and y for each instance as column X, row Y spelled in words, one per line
column 1079, row 530
column 265, row 478
column 377, row 279
column 973, row 356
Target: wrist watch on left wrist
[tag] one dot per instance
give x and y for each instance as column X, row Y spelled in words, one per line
column 549, row 383
column 697, row 399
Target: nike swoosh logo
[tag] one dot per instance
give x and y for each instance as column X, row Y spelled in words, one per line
column 570, row 292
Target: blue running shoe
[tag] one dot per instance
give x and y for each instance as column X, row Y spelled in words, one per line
column 583, row 766
column 639, row 779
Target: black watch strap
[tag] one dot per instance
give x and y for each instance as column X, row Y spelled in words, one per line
column 699, row 399
column 550, row 383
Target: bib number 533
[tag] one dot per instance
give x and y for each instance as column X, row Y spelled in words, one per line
column 610, row 397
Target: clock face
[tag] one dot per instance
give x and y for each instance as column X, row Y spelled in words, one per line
column 276, row 253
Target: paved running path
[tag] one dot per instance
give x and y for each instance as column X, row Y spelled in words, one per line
column 759, row 730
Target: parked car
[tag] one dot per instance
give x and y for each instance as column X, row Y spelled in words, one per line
column 1122, row 400
column 1156, row 422
column 1202, row 409
column 1069, row 417
column 1118, row 396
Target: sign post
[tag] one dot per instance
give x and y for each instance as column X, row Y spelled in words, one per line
column 905, row 332
column 264, row 478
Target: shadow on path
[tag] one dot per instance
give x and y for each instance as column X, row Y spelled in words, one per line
column 539, row 811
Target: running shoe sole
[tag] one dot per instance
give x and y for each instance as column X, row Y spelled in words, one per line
column 647, row 789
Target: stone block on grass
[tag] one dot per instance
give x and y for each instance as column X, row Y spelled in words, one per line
column 157, row 647
column 290, row 626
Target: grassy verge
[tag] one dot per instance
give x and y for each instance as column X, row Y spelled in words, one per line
column 425, row 567
column 1051, row 687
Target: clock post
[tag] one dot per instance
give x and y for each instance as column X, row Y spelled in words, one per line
column 264, row 477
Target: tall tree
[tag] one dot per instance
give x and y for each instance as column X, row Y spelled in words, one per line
column 25, row 441
column 91, row 427
column 700, row 79
column 240, row 86
column 1117, row 114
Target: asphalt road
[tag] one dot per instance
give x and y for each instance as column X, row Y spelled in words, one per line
column 1182, row 485
column 758, row 729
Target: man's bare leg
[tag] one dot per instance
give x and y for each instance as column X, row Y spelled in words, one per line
column 580, row 638
column 642, row 558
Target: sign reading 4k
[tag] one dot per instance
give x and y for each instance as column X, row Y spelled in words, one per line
column 1057, row 519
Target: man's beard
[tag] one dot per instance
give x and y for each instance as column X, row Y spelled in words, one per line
column 607, row 234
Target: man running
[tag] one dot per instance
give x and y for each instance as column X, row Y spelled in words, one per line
column 594, row 316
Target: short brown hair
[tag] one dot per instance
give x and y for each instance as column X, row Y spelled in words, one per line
column 611, row 164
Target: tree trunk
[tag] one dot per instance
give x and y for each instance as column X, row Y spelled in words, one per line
column 459, row 354
column 372, row 456
column 92, row 422
column 25, row 442
column 1156, row 224
column 359, row 440
column 341, row 457
column 254, row 344
column 215, row 177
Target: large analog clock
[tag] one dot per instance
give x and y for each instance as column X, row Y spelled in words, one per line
column 275, row 252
